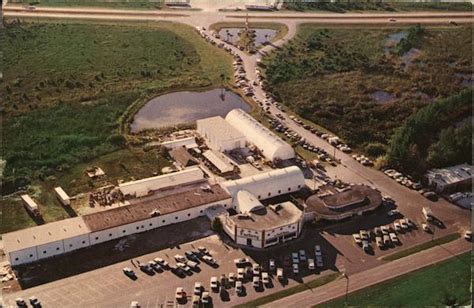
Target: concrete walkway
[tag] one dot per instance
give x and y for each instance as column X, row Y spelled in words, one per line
column 375, row 275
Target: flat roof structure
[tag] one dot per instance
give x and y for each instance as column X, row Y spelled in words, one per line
column 220, row 135
column 44, row 234
column 61, row 193
column 339, row 205
column 188, row 143
column 29, row 201
column 451, row 175
column 219, row 160
column 270, row 217
column 142, row 209
column 144, row 186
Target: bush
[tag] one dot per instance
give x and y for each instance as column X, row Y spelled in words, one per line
column 216, row 225
column 375, row 149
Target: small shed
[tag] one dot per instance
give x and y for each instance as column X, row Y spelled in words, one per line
column 30, row 205
column 182, row 157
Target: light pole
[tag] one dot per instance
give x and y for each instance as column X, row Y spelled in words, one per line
column 347, row 288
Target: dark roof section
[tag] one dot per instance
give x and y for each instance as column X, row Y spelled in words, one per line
column 165, row 205
column 340, row 205
column 182, row 157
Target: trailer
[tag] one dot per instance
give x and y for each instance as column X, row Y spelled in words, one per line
column 62, row 196
column 30, row 205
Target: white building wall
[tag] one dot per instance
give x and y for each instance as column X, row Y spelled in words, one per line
column 50, row 249
column 23, row 256
column 77, row 242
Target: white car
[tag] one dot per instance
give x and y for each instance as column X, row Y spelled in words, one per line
column 425, row 228
column 302, row 254
column 280, row 275
column 397, row 227
column 256, row 269
column 241, row 261
column 265, row 278
column 180, row 258
column 197, row 288
column 271, row 264
column 206, row 298
column 232, row 278
column 357, row 238
column 180, row 294
column 394, row 238
column 214, row 284
column 295, row 258
column 240, row 274
column 295, row 269
column 239, row 289
column 404, row 224
column 256, row 282
column 161, row 262
column 133, row 304
column 311, row 264
column 209, row 260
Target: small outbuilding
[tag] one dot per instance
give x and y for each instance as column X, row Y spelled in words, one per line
column 62, row 196
column 182, row 157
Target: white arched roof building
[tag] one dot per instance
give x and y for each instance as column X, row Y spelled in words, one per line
column 271, row 146
column 246, row 202
column 268, row 184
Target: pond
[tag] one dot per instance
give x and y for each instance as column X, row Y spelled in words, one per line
column 382, row 96
column 185, row 107
column 261, row 35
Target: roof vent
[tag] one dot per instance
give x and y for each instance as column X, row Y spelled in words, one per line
column 155, row 213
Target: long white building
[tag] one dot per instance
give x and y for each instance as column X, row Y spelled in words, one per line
column 268, row 184
column 271, row 146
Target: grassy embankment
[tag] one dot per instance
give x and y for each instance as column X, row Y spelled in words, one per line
column 382, row 6
column 409, row 251
column 63, row 102
column 444, row 284
column 331, row 76
column 290, row 291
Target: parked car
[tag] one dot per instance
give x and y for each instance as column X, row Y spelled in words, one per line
column 191, row 256
column 385, row 230
column 430, row 195
column 209, row 260
column 180, row 294
column 295, row 258
column 302, row 254
column 239, row 288
column 161, row 262
column 34, row 301
column 214, row 285
column 317, row 250
column 365, row 246
column 357, row 238
column 180, row 258
column 364, row 235
column 256, row 269
column 241, row 261
column 319, row 261
column 393, row 213
column 256, row 282
column 295, row 268
column 198, row 287
column 394, row 238
column 206, row 298
column 379, row 241
column 184, row 267
column 133, row 304
column 240, row 274
column 154, row 265
column 410, row 223
column 271, row 264
column 265, row 278
column 232, row 278
column 397, row 227
column 204, row 250
column 280, row 275
column 426, row 228
column 311, row 264
column 129, row 272
column 404, row 224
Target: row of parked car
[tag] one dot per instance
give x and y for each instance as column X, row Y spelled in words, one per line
column 184, row 264
column 384, row 236
column 365, row 161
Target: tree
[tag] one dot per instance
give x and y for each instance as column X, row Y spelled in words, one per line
column 216, row 225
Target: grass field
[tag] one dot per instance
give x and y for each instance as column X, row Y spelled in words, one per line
column 333, row 76
column 406, row 252
column 443, row 284
column 63, row 101
column 290, row 291
column 122, row 4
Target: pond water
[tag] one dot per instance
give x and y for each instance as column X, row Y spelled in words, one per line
column 185, row 107
column 410, row 55
column 261, row 35
column 382, row 96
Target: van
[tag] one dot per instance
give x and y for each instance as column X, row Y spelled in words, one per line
column 280, row 274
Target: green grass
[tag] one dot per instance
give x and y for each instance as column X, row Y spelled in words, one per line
column 63, row 103
column 439, row 241
column 127, row 4
column 290, row 291
column 328, row 75
column 443, row 284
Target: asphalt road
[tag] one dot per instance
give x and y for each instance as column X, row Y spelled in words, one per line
column 375, row 275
